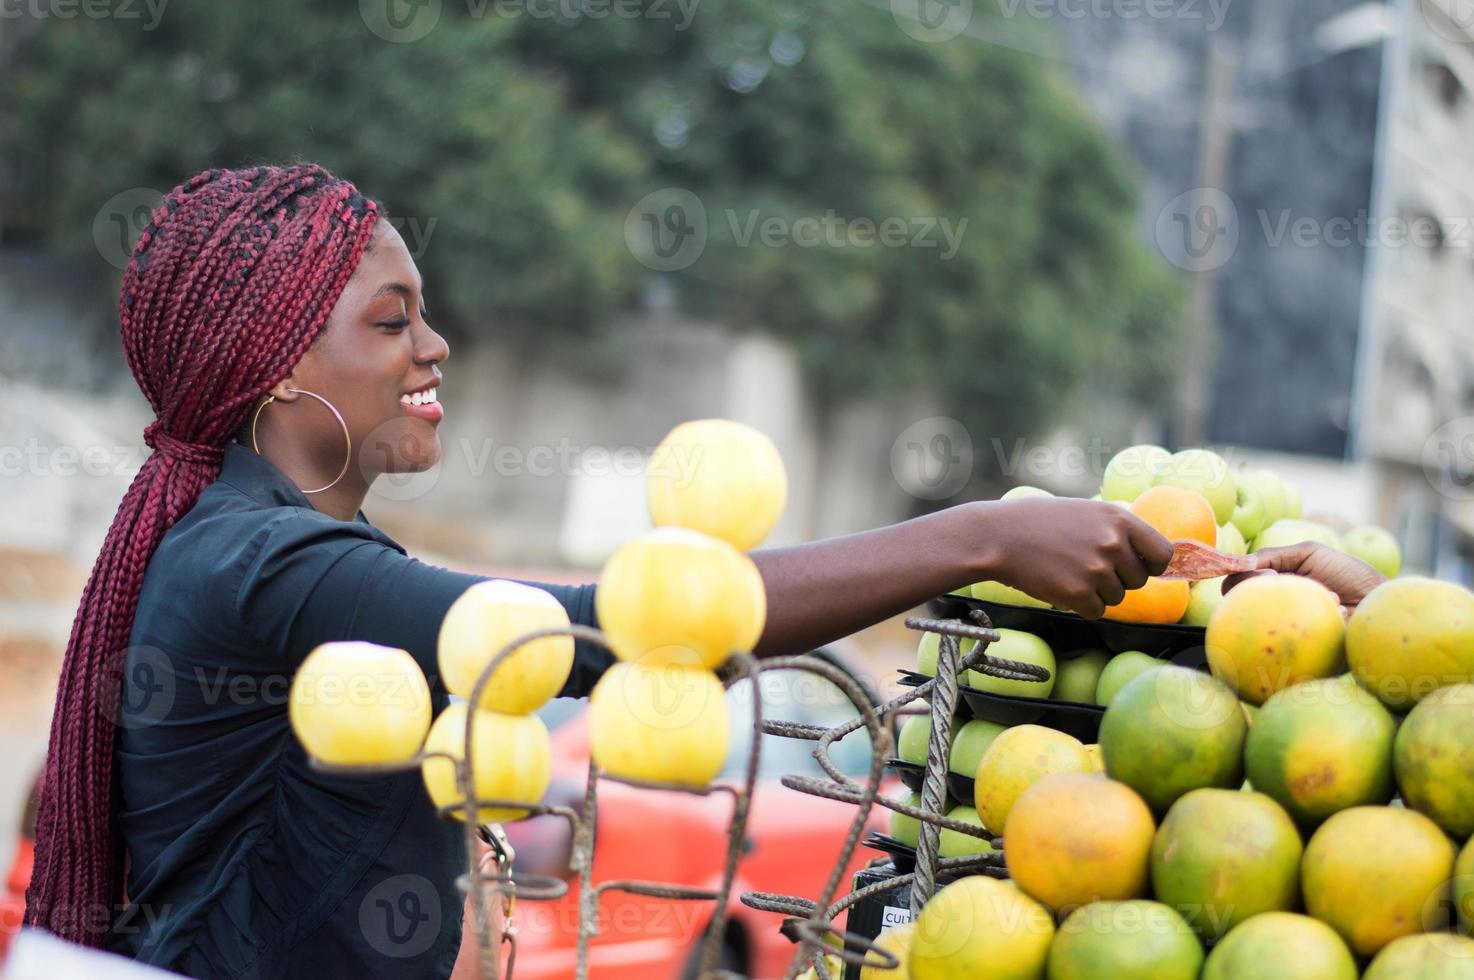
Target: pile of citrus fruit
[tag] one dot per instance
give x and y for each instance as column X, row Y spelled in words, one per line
column 1193, row 495
column 674, row 604
column 1304, row 808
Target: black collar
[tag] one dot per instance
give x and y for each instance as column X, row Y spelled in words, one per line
column 255, row 476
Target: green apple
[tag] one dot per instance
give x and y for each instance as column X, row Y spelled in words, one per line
column 929, row 649
column 1271, row 493
column 1251, row 714
column 1293, row 507
column 953, row 844
column 969, row 744
column 1203, row 599
column 912, row 742
column 1248, row 512
column 1078, row 676
column 1206, row 473
column 1006, row 594
column 1230, row 541
column 1025, row 648
column 906, row 828
column 1021, row 492
column 1121, row 669
column 1287, row 531
column 1375, row 546
column 1131, row 471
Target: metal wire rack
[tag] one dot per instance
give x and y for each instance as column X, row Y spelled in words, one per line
column 809, row 921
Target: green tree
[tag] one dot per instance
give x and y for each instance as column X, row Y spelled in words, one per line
column 514, row 145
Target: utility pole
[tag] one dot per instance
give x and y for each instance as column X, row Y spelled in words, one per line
column 1195, row 376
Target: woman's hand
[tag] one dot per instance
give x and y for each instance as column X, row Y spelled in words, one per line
column 1350, row 578
column 1081, row 555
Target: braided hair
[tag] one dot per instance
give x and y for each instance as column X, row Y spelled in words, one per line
column 228, row 286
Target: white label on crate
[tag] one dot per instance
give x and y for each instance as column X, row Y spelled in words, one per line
column 893, row 916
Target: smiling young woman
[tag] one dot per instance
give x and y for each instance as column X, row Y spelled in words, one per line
column 278, row 329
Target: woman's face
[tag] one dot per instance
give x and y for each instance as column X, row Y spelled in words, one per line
column 376, row 358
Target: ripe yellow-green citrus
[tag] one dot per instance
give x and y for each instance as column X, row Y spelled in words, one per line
column 1372, row 895
column 356, row 703
column 483, row 620
column 510, row 760
column 980, row 927
column 718, row 477
column 1321, row 746
column 1273, row 631
column 1016, row 759
column 1425, row 956
column 1223, row 855
column 666, row 724
column 679, row 596
column 1280, row 946
column 1434, row 758
column 1172, row 730
column 1074, row 838
column 1411, row 636
column 1116, row 940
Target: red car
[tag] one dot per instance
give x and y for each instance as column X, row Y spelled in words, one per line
column 793, row 840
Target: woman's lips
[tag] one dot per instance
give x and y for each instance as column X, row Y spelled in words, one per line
column 430, row 411
column 428, row 407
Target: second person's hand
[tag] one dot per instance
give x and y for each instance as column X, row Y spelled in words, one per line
column 1081, row 555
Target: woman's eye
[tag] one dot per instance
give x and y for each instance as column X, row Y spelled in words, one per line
column 399, row 324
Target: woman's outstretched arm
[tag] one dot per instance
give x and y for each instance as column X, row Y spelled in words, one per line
column 1076, row 554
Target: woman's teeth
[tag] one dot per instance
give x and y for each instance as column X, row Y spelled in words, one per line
column 419, row 397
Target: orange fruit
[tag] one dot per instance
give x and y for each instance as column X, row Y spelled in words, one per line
column 1178, row 513
column 1074, row 838
column 1160, row 600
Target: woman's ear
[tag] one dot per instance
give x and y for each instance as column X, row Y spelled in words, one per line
column 285, row 389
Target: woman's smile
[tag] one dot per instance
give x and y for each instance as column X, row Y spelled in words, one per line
column 423, row 403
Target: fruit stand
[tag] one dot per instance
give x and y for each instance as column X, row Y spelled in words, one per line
column 1105, row 759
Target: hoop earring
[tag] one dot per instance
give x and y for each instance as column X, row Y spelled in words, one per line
column 348, row 440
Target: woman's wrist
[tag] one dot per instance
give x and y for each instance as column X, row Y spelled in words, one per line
column 983, row 539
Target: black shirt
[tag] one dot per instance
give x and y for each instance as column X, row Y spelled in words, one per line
column 246, row 862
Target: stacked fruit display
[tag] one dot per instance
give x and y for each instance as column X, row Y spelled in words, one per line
column 674, row 604
column 1346, row 849
column 1194, row 494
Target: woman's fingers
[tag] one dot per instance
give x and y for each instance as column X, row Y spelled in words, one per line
column 1150, row 544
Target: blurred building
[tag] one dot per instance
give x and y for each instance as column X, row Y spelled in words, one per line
column 1310, row 168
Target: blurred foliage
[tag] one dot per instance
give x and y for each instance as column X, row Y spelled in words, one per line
column 515, row 145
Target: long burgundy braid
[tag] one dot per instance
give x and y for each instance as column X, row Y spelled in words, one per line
column 228, row 286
